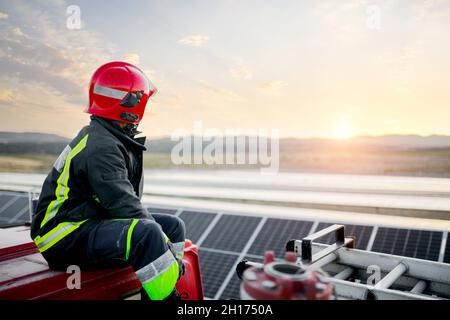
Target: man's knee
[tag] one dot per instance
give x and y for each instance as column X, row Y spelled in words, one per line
column 172, row 225
column 147, row 231
column 177, row 229
column 180, row 226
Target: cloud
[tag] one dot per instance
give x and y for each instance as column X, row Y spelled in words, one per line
column 41, row 53
column 272, row 86
column 48, row 111
column 18, row 32
column 222, row 92
column 3, row 15
column 73, row 93
column 6, row 96
column 431, row 9
column 169, row 102
column 195, row 40
column 132, row 58
column 241, row 72
column 341, row 22
column 157, row 78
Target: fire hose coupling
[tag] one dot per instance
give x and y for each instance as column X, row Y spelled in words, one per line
column 284, row 280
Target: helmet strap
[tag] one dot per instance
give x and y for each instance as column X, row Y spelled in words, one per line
column 131, row 129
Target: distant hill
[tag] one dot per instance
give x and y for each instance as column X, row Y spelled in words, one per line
column 34, row 137
column 405, row 141
column 400, row 142
column 31, row 143
column 34, row 142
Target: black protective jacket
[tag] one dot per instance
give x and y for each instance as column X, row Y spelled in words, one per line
column 99, row 175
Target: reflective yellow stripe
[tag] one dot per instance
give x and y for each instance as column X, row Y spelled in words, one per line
column 130, row 232
column 56, row 234
column 62, row 190
column 159, row 277
column 163, row 284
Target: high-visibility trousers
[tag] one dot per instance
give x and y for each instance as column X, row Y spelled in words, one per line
column 141, row 243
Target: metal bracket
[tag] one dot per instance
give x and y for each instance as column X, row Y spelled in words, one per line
column 306, row 244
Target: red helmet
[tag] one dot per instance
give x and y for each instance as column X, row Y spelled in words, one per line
column 119, row 91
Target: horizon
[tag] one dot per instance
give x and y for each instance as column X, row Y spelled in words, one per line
column 281, row 138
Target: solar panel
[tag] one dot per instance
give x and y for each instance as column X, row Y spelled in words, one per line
column 231, row 233
column 447, row 250
column 4, row 198
column 361, row 233
column 196, row 223
column 19, row 210
column 276, row 233
column 411, row 243
column 232, row 291
column 14, row 208
column 161, row 210
column 7, row 200
column 214, row 268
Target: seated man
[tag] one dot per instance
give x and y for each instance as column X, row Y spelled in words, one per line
column 89, row 212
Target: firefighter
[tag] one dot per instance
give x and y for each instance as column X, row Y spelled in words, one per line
column 89, row 211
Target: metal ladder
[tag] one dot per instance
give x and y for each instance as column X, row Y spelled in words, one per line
column 360, row 274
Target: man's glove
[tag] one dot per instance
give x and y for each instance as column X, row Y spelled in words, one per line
column 181, row 266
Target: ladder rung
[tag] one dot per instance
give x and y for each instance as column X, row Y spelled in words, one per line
column 392, row 276
column 324, row 261
column 344, row 274
column 419, row 287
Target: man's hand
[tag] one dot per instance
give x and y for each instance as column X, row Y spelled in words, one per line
column 181, row 266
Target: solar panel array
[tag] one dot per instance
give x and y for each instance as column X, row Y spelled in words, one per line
column 276, row 233
column 228, row 239
column 410, row 243
column 196, row 223
column 225, row 239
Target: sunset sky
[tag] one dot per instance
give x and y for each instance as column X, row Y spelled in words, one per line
column 307, row 68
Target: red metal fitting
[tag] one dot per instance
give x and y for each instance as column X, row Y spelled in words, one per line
column 284, row 280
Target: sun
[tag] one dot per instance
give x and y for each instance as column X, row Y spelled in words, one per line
column 343, row 129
